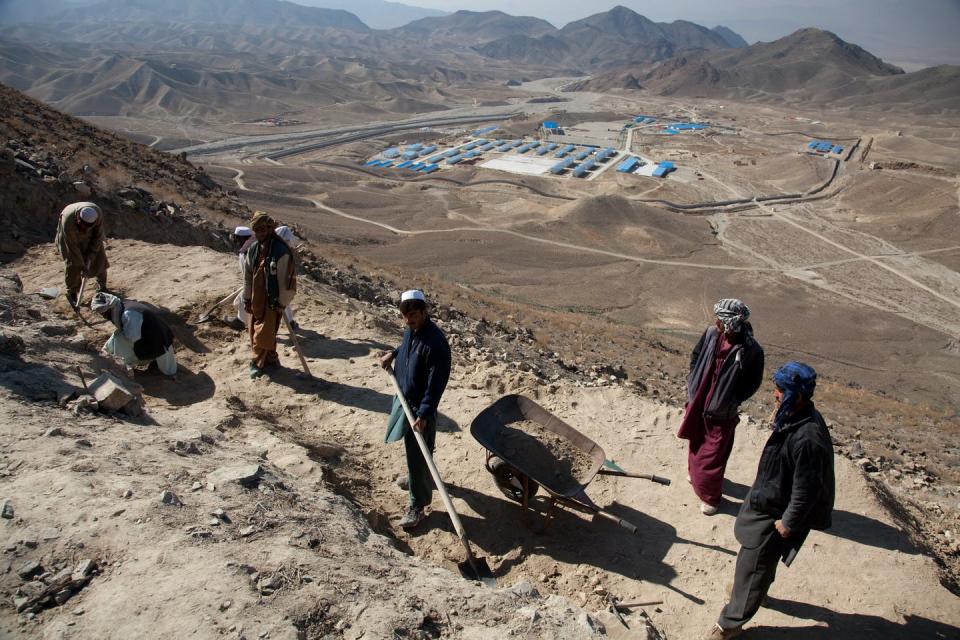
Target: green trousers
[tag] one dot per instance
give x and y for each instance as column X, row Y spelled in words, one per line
column 72, row 276
column 418, row 473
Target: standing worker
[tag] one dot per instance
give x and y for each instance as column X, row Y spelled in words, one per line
column 141, row 337
column 269, row 285
column 79, row 241
column 422, row 369
column 726, row 368
column 792, row 494
column 286, row 234
column 242, row 239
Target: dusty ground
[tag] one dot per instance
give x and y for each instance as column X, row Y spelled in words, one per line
column 862, row 579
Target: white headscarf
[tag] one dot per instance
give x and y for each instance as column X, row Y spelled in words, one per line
column 284, row 233
column 103, row 302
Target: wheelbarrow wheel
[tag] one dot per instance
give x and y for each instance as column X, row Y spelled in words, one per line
column 511, row 482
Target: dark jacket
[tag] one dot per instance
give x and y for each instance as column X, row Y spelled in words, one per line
column 155, row 335
column 795, row 480
column 422, row 367
column 740, row 375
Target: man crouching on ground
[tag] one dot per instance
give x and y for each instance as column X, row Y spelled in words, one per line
column 793, row 493
column 422, row 369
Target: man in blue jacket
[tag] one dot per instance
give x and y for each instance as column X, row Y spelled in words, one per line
column 422, row 366
column 793, row 493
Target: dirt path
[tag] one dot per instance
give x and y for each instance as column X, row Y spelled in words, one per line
column 861, row 580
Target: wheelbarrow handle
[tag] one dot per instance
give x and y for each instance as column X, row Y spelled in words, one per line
column 632, row 528
column 644, row 476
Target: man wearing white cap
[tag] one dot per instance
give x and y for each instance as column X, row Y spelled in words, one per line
column 286, row 234
column 422, row 369
column 79, row 241
column 242, row 239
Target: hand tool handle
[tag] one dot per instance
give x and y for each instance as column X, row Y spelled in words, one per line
column 433, row 468
column 643, row 476
column 296, row 344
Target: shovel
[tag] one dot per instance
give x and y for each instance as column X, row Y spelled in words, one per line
column 76, row 307
column 206, row 316
column 475, row 568
column 296, row 346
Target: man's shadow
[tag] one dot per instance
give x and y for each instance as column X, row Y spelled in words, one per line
column 315, row 345
column 188, row 388
column 847, row 525
column 849, row 626
column 572, row 537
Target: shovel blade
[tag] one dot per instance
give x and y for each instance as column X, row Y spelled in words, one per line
column 477, row 569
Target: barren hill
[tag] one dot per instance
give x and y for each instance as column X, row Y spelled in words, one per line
column 209, row 85
column 607, row 40
column 808, row 65
column 378, row 14
column 471, row 27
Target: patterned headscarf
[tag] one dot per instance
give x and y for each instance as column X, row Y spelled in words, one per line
column 796, row 380
column 262, row 219
column 103, row 302
column 732, row 313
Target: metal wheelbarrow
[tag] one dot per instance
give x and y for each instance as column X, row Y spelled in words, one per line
column 520, row 479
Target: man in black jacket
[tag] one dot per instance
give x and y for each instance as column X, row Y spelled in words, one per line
column 422, row 366
column 792, row 494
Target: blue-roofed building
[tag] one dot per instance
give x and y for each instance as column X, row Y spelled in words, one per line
column 449, row 153
column 550, row 124
column 629, row 165
column 386, row 163
column 404, row 165
column 583, row 154
column 417, row 165
column 837, row 149
column 370, row 163
column 428, row 150
column 454, row 159
column 430, row 168
column 523, row 149
column 813, row 144
column 516, row 143
column 561, row 166
column 414, row 147
column 392, row 152
column 581, row 171
column 504, row 147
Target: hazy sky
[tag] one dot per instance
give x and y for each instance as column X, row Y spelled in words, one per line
column 901, row 31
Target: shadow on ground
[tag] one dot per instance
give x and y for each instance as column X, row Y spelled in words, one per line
column 849, row 626
column 572, row 538
column 847, row 525
column 188, row 388
column 315, row 345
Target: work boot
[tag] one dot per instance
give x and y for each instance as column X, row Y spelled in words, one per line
column 255, row 371
column 235, row 323
column 719, row 633
column 412, row 517
column 708, row 509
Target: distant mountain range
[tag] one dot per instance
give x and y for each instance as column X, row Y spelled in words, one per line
column 241, row 12
column 377, row 14
column 112, row 57
column 808, row 65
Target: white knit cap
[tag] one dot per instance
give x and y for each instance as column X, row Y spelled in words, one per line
column 412, row 294
column 89, row 215
column 285, row 234
column 243, row 232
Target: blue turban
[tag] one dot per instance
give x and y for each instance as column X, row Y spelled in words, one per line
column 796, row 380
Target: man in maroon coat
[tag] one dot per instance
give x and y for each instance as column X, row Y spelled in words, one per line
column 726, row 368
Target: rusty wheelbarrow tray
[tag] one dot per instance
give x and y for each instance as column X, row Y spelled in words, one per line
column 519, row 483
